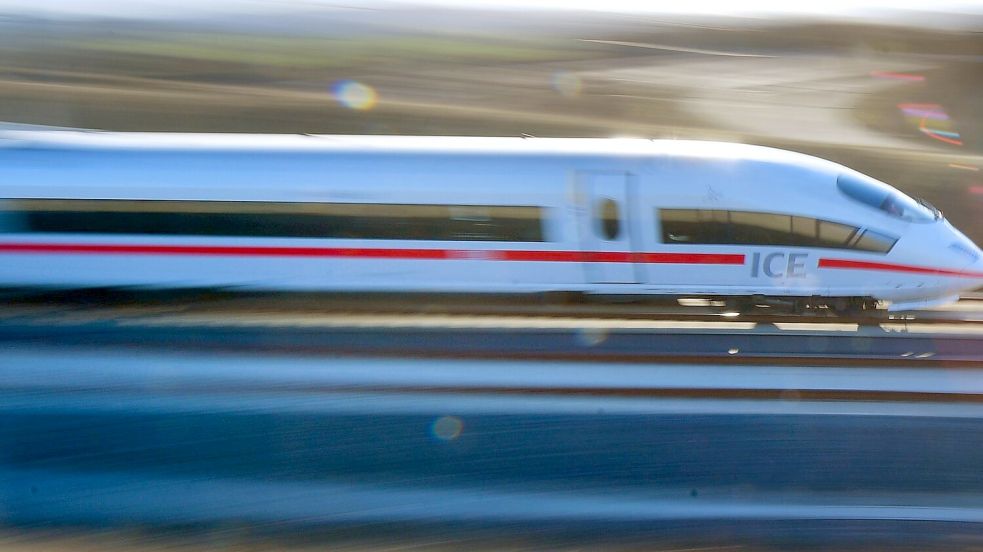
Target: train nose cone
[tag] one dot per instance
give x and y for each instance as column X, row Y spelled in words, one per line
column 975, row 272
column 968, row 253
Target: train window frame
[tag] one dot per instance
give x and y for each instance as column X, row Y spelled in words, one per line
column 275, row 219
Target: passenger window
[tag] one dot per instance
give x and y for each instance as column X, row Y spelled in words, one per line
column 760, row 228
column 834, row 234
column 610, row 218
column 695, row 226
column 875, row 242
column 720, row 227
column 713, row 226
column 679, row 225
column 383, row 221
column 804, row 231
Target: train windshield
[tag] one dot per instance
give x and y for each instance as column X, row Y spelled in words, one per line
column 881, row 196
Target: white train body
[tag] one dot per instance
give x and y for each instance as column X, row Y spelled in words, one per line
column 339, row 213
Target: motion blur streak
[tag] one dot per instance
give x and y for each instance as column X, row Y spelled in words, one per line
column 179, row 440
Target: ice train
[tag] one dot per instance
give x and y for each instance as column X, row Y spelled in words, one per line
column 449, row 214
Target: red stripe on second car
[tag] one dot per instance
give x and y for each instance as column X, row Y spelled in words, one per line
column 867, row 265
column 380, row 253
column 692, row 258
column 548, row 256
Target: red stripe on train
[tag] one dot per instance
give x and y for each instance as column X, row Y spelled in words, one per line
column 453, row 254
column 220, row 250
column 380, row 253
column 693, row 258
column 867, row 265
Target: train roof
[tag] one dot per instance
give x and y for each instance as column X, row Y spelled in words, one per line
column 432, row 145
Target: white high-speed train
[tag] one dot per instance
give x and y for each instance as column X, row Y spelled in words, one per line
column 507, row 215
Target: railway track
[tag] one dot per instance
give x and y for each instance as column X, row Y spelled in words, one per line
column 577, row 341
column 967, row 312
column 497, row 327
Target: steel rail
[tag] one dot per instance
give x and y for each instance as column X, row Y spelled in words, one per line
column 236, row 306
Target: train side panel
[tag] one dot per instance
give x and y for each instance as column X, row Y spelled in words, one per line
column 404, row 263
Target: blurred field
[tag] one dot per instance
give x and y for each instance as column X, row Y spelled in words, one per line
column 560, row 77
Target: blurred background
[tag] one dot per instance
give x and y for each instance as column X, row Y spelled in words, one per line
column 889, row 89
column 114, row 438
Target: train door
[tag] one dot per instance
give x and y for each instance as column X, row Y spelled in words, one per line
column 605, row 235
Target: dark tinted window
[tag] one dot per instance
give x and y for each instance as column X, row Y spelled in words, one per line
column 875, row 241
column 274, row 219
column 722, row 227
column 804, row 231
column 609, row 217
column 834, row 234
column 760, row 228
column 695, row 226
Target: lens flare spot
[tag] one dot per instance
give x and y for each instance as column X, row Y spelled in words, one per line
column 567, row 84
column 354, row 95
column 447, row 428
column 932, row 121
